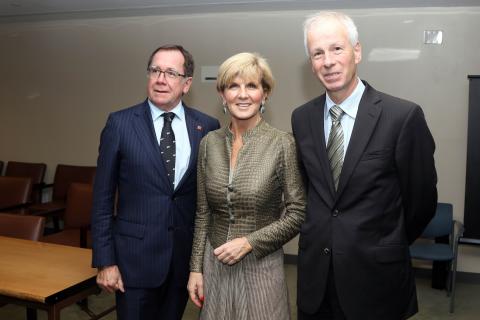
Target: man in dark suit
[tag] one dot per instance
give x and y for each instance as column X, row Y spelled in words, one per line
column 147, row 170
column 369, row 167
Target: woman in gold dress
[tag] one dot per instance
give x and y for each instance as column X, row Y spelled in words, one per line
column 251, row 201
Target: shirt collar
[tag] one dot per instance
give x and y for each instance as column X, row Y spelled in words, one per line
column 349, row 105
column 157, row 112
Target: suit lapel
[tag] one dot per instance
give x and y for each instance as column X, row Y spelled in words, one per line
column 195, row 134
column 367, row 117
column 318, row 135
column 143, row 126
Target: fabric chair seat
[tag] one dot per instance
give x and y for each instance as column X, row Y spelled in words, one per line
column 54, row 210
column 50, row 207
column 437, row 252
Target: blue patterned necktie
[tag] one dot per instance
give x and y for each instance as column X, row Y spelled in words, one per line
column 335, row 144
column 167, row 145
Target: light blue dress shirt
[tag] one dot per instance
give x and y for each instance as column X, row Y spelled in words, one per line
column 350, row 107
column 182, row 142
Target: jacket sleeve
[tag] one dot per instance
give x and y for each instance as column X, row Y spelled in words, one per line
column 104, row 190
column 273, row 236
column 417, row 174
column 202, row 214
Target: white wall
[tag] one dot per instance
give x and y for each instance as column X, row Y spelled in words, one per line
column 60, row 79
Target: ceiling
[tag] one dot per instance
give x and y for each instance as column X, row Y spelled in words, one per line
column 54, row 9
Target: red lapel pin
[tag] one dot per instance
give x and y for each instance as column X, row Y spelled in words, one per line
column 199, row 128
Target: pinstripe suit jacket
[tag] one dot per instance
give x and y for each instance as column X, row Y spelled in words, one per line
column 153, row 225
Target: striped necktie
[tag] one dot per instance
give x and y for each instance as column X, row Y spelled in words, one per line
column 335, row 144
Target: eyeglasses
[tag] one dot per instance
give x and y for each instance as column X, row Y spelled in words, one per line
column 154, row 73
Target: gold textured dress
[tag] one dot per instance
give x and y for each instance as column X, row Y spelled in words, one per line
column 262, row 199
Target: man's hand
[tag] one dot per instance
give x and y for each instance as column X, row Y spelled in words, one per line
column 195, row 288
column 233, row 251
column 109, row 279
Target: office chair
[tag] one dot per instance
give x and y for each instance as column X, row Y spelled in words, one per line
column 76, row 230
column 64, row 176
column 442, row 224
column 14, row 193
column 20, row 226
column 77, row 218
column 34, row 171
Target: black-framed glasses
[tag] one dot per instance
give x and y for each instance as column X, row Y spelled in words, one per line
column 154, row 73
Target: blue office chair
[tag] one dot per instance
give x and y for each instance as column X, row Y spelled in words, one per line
column 441, row 225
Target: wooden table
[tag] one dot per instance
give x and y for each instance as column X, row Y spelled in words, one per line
column 44, row 276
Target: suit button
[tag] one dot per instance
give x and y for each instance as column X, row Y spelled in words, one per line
column 170, row 228
column 326, row 251
column 335, row 213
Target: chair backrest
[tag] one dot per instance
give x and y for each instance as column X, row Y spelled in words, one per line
column 66, row 175
column 79, row 206
column 442, row 223
column 34, row 171
column 20, row 226
column 14, row 191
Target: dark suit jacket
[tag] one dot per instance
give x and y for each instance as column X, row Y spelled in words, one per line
column 386, row 196
column 153, row 226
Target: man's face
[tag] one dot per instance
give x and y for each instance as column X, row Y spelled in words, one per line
column 164, row 92
column 334, row 59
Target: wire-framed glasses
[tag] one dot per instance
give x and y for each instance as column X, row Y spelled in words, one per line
column 155, row 72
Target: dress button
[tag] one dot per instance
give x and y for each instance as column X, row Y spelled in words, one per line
column 326, row 251
column 335, row 213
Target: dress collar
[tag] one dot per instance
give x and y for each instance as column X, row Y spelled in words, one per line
column 249, row 133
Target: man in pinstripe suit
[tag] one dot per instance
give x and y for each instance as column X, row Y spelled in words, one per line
column 142, row 252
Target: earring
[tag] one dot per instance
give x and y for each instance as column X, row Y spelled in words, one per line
column 224, row 103
column 262, row 107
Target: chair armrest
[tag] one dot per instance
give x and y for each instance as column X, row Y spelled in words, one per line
column 460, row 229
column 458, row 234
column 39, row 186
column 14, row 207
column 45, row 185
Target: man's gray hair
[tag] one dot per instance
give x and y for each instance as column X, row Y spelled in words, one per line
column 322, row 16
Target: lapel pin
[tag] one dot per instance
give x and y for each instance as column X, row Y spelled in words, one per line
column 199, row 128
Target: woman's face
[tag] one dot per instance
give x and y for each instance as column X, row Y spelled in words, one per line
column 243, row 98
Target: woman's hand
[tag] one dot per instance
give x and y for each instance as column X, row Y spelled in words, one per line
column 195, row 288
column 233, row 251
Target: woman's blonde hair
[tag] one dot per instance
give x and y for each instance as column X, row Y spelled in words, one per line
column 247, row 65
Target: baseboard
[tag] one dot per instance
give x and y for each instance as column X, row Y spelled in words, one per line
column 466, row 277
